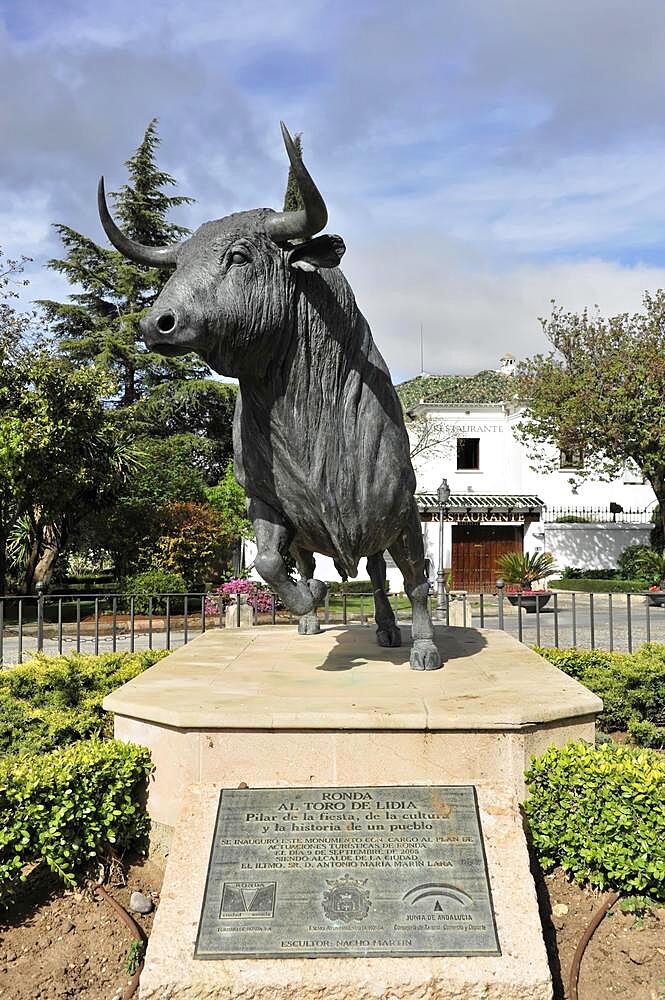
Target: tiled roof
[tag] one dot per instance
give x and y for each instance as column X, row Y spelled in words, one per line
column 485, row 387
column 475, row 502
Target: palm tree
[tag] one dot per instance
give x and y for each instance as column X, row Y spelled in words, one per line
column 520, row 569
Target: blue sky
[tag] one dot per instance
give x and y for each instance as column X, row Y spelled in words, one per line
column 478, row 159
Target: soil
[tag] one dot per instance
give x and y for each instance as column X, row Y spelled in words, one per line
column 59, row 944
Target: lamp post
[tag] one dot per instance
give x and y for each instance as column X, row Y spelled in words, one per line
column 443, row 496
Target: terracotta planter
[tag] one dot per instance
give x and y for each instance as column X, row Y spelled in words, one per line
column 530, row 602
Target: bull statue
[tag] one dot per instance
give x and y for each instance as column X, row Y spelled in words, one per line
column 319, row 439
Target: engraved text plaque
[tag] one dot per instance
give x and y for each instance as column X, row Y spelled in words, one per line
column 306, row 872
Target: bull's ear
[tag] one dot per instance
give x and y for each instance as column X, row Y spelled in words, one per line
column 323, row 251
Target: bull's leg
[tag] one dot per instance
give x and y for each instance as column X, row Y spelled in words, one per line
column 409, row 554
column 387, row 632
column 273, row 538
column 309, row 623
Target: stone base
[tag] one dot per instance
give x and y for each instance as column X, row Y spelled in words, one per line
column 521, row 971
column 270, row 707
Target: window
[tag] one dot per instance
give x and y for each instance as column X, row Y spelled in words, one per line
column 468, row 453
column 571, row 458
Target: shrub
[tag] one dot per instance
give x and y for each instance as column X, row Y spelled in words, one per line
column 152, row 581
column 575, row 573
column 646, row 734
column 350, row 587
column 55, row 700
column 259, row 596
column 652, row 566
column 632, row 685
column 629, row 561
column 190, row 543
column 599, row 812
column 602, row 585
column 69, row 807
column 575, row 661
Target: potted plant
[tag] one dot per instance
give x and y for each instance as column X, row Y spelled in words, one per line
column 651, row 564
column 520, row 570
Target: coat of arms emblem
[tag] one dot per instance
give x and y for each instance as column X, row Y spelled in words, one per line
column 346, row 899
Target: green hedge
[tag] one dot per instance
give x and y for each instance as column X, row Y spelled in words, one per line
column 151, row 582
column 600, row 586
column 632, row 685
column 647, row 734
column 51, row 701
column 69, row 807
column 599, row 812
column 350, row 587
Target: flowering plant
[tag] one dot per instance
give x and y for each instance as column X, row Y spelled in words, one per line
column 258, row 595
column 525, row 590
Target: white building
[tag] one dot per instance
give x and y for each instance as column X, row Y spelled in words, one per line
column 499, row 502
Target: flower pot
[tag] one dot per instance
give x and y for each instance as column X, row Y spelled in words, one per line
column 530, row 602
column 656, row 598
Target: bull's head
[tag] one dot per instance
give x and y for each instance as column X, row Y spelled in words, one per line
column 231, row 293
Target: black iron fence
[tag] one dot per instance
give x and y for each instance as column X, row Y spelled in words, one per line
column 96, row 623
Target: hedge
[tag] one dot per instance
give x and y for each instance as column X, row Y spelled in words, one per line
column 600, row 586
column 599, row 812
column 51, row 701
column 68, row 807
column 632, row 685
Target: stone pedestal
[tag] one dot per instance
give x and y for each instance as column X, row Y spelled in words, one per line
column 240, row 614
column 520, row 972
column 273, row 708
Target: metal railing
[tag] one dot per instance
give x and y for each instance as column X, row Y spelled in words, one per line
column 595, row 515
column 97, row 623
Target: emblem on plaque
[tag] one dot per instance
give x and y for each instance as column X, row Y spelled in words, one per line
column 248, row 899
column 346, row 899
column 442, row 889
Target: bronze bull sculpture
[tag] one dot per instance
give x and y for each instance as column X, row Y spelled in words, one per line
column 319, row 438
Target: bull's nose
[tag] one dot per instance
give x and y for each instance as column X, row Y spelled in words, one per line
column 167, row 321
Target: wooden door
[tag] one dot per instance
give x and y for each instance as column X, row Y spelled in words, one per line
column 476, row 549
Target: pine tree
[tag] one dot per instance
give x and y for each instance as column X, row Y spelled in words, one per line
column 100, row 321
column 292, row 197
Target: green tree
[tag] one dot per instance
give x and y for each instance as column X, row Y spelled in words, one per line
column 292, row 197
column 62, row 453
column 199, row 412
column 601, row 392
column 14, row 326
column 100, row 321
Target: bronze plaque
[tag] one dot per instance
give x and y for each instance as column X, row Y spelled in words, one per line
column 307, row 872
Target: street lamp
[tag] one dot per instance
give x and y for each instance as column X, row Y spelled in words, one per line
column 443, row 496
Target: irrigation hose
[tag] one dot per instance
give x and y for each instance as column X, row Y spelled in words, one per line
column 592, row 926
column 136, row 931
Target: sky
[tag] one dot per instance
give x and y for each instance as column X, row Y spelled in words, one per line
column 479, row 159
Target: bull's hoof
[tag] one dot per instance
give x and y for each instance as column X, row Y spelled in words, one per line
column 309, row 624
column 318, row 589
column 390, row 636
column 425, row 655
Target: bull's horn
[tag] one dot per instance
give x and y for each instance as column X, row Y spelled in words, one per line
column 303, row 224
column 154, row 256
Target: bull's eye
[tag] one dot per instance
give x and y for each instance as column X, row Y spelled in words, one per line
column 239, row 258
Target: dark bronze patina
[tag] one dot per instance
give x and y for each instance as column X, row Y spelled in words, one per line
column 319, row 437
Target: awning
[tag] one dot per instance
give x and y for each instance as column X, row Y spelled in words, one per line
column 482, row 507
